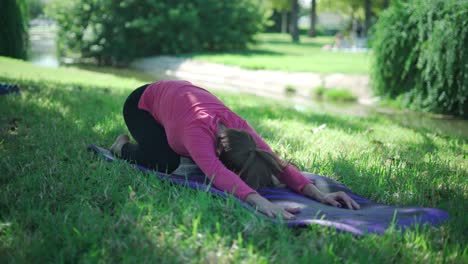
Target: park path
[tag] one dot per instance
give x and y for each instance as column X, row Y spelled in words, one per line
column 266, row 83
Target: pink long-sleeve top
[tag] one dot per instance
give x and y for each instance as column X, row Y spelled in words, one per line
column 190, row 116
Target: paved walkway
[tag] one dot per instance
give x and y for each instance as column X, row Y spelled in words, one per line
column 269, row 83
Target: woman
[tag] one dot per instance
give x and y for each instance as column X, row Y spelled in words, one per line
column 173, row 118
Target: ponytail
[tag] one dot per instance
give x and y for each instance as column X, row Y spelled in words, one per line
column 240, row 154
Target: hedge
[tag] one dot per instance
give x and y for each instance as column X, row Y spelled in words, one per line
column 115, row 32
column 421, row 55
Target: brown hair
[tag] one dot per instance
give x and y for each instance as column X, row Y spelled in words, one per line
column 240, row 154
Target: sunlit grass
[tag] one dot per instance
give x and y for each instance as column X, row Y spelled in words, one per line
column 71, row 76
column 277, row 52
column 59, row 203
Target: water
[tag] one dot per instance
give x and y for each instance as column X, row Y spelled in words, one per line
column 43, row 48
column 441, row 125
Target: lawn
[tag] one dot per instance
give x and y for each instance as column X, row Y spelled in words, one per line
column 59, row 203
column 276, row 52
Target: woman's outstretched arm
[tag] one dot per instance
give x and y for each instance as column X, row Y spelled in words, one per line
column 270, row 209
column 298, row 182
column 201, row 148
column 290, row 175
column 337, row 199
column 202, row 151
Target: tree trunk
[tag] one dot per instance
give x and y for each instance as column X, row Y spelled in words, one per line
column 368, row 14
column 313, row 18
column 284, row 21
column 294, row 29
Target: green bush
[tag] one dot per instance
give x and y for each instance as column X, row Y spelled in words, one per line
column 36, row 7
column 421, row 55
column 334, row 94
column 115, row 32
column 290, row 90
column 320, row 31
column 13, row 29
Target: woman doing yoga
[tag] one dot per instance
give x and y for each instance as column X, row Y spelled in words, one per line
column 170, row 119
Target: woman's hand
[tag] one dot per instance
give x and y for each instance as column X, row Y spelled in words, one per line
column 337, row 199
column 271, row 209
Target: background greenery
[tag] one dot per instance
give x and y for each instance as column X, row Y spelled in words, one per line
column 60, row 203
column 421, row 55
column 115, row 32
column 36, row 7
column 13, row 29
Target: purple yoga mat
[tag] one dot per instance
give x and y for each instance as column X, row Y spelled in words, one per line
column 371, row 218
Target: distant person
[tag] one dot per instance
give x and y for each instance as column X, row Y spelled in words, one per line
column 170, row 119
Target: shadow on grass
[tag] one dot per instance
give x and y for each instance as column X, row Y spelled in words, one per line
column 60, row 202
column 429, row 182
column 425, row 184
column 65, row 204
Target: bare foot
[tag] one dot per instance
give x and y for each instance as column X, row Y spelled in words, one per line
column 116, row 148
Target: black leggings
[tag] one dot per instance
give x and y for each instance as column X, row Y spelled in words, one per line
column 152, row 149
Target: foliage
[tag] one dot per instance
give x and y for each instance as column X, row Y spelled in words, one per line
column 281, row 5
column 59, row 203
column 334, row 94
column 13, row 29
column 321, row 30
column 36, row 8
column 115, row 32
column 290, row 90
column 420, row 54
column 354, row 8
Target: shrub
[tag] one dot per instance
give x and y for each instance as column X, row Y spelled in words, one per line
column 334, row 94
column 290, row 90
column 421, row 55
column 115, row 32
column 36, row 8
column 13, row 29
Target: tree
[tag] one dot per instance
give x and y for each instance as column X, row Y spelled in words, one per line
column 36, row 7
column 294, row 27
column 357, row 9
column 385, row 4
column 313, row 18
column 420, row 55
column 115, row 32
column 13, row 37
column 368, row 16
column 284, row 7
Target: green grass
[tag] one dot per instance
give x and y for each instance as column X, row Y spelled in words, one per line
column 277, row 52
column 59, row 203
